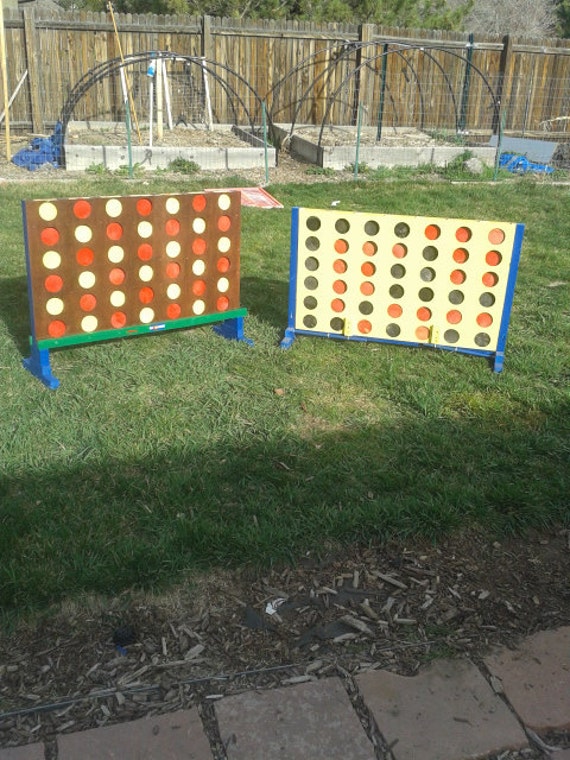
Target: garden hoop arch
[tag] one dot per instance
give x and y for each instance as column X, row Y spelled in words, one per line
column 367, row 61
column 236, row 92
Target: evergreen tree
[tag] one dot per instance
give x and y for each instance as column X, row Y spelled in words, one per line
column 429, row 14
column 563, row 17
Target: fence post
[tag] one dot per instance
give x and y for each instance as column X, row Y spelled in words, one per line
column 466, row 82
column 207, row 41
column 361, row 84
column 36, row 86
column 3, row 64
column 382, row 92
column 504, row 66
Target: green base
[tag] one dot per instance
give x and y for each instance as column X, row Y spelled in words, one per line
column 38, row 363
column 127, row 332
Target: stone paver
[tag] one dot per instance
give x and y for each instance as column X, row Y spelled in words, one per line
column 28, row 752
column 176, row 736
column 448, row 712
column 536, row 679
column 308, row 721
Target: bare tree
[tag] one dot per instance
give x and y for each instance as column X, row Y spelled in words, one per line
column 524, row 18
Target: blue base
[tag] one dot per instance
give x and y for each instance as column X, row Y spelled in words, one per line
column 232, row 329
column 497, row 358
column 498, row 361
column 38, row 364
column 288, row 338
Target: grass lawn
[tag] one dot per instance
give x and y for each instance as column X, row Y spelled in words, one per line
column 161, row 455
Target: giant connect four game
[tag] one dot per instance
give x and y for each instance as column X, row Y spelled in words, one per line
column 419, row 281
column 105, row 268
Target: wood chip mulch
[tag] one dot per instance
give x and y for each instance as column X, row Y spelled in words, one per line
column 394, row 607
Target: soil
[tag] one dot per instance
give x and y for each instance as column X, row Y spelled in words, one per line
column 193, row 136
column 178, row 136
column 333, row 136
column 97, row 661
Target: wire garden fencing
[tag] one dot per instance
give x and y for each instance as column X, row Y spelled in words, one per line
column 190, row 75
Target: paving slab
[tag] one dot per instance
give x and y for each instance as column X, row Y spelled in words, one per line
column 447, row 712
column 27, row 752
column 536, row 678
column 176, row 736
column 309, row 721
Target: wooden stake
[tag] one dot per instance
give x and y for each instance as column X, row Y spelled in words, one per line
column 209, row 117
column 166, row 84
column 13, row 95
column 129, row 91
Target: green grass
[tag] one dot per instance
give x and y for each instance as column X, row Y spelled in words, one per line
column 159, row 455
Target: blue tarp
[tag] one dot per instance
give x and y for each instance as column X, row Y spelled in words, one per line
column 521, row 164
column 540, row 151
column 42, row 150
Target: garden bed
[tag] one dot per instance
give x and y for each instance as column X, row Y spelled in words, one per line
column 224, row 147
column 339, row 147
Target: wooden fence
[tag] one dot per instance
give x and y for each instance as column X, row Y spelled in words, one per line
column 304, row 72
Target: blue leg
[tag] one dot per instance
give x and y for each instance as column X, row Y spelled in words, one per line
column 498, row 361
column 288, row 338
column 232, row 329
column 38, row 364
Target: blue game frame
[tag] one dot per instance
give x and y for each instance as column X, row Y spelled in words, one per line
column 496, row 356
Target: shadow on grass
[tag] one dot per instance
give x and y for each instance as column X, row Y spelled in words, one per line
column 104, row 526
column 14, row 311
column 267, row 299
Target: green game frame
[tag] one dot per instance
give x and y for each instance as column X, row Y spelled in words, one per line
column 228, row 324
